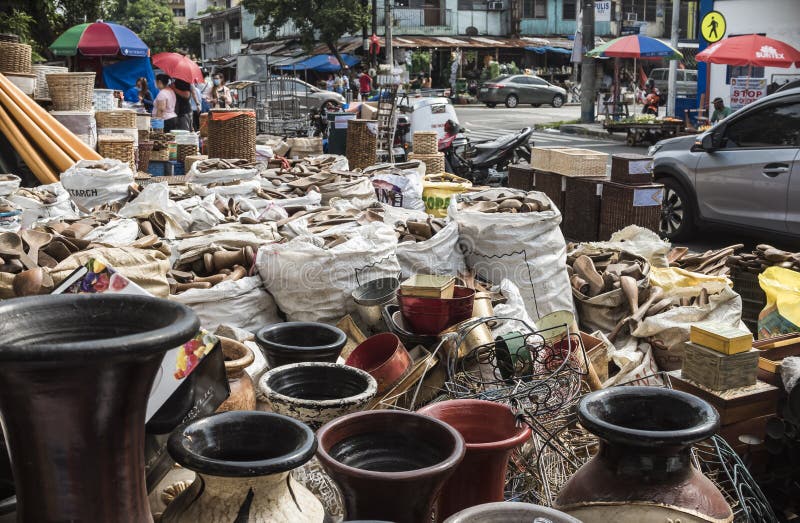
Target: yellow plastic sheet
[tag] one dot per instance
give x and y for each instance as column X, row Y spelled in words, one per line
column 438, row 189
column 782, row 313
column 683, row 283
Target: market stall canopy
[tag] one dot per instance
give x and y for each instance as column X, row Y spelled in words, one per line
column 179, row 66
column 99, row 39
column 636, row 46
column 547, row 49
column 322, row 63
column 753, row 50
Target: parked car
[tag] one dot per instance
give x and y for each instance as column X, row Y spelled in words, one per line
column 309, row 98
column 685, row 82
column 516, row 89
column 744, row 171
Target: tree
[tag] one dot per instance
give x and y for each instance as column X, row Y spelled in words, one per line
column 323, row 20
column 187, row 39
column 152, row 21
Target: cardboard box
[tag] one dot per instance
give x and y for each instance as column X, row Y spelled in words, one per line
column 719, row 371
column 368, row 111
column 721, row 338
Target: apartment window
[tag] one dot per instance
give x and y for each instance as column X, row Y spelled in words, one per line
column 219, row 31
column 234, row 29
column 534, row 9
column 208, row 32
column 568, row 10
column 179, row 12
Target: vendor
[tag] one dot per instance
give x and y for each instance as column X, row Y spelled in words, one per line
column 720, row 111
column 219, row 95
column 426, row 81
column 145, row 96
column 164, row 104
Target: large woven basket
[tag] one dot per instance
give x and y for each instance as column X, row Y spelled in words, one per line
column 190, row 160
column 362, row 143
column 116, row 119
column 145, row 148
column 553, row 185
column 541, row 157
column 578, row 162
column 232, row 134
column 71, row 91
column 119, row 147
column 623, row 205
column 434, row 163
column 184, row 150
column 581, row 211
column 426, row 142
column 521, row 177
column 8, row 37
column 41, row 72
column 15, row 58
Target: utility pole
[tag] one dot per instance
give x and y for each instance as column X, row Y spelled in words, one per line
column 374, row 4
column 587, row 63
column 673, row 64
column 364, row 35
column 387, row 8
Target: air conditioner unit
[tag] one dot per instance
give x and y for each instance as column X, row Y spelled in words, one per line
column 494, row 6
column 631, row 17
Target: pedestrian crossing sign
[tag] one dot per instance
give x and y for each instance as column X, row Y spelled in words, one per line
column 713, row 27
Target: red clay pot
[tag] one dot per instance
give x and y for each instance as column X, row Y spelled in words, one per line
column 384, row 357
column 491, row 433
column 433, row 315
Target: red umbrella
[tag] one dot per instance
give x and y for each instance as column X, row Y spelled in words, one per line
column 178, row 66
column 753, row 50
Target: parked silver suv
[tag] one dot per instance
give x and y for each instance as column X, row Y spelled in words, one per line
column 745, row 171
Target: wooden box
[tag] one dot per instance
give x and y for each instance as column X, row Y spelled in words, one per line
column 719, row 371
column 772, row 352
column 521, row 177
column 623, row 205
column 631, row 169
column 581, row 211
column 553, row 185
column 721, row 338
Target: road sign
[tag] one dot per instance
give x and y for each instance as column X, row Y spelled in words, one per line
column 602, row 11
column 713, row 27
column 746, row 90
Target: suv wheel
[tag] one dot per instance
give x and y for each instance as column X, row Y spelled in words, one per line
column 558, row 101
column 677, row 213
column 512, row 101
column 491, row 105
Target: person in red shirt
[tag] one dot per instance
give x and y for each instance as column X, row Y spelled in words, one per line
column 364, row 86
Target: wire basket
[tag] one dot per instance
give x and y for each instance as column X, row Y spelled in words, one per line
column 71, row 91
column 362, row 143
column 118, row 119
column 426, row 142
column 119, row 147
column 232, row 134
column 41, row 71
column 15, row 57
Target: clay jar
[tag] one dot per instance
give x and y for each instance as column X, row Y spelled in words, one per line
column 643, row 469
column 299, row 341
column 243, row 460
column 75, row 376
column 491, row 433
column 238, row 357
column 510, row 512
column 390, row 465
column 384, row 357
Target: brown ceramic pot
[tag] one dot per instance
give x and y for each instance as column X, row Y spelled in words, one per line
column 238, row 357
column 491, row 433
column 390, row 465
column 643, row 469
column 384, row 357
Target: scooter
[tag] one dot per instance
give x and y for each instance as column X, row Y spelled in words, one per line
column 484, row 163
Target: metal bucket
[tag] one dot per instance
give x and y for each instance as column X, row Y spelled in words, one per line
column 370, row 299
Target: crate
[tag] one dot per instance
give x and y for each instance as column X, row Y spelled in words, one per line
column 553, row 185
column 623, row 205
column 631, row 169
column 581, row 211
column 578, row 162
column 541, row 157
column 177, row 168
column 753, row 298
column 521, row 177
column 160, row 168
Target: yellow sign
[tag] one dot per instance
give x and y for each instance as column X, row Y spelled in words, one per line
column 713, row 27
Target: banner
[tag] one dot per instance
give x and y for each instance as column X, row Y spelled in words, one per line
column 602, row 11
column 746, row 90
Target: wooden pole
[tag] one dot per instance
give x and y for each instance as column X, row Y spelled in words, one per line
column 31, row 158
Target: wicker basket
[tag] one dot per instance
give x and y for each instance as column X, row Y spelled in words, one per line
column 145, row 149
column 631, row 169
column 232, row 134
column 8, row 37
column 581, row 210
column 103, row 100
column 184, row 150
column 754, row 300
column 144, row 136
column 41, row 72
column 540, row 157
column 624, row 205
column 521, row 177
column 161, row 155
column 117, row 119
column 15, row 58
column 362, row 143
column 191, row 159
column 434, row 163
column 426, row 142
column 71, row 91
column 119, row 147
column 552, row 185
column 203, row 125
column 578, row 162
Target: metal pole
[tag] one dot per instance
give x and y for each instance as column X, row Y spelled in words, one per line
column 387, row 7
column 374, row 57
column 618, row 32
column 364, row 28
column 673, row 64
column 587, row 63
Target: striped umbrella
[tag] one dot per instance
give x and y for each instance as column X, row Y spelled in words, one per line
column 636, row 46
column 99, row 39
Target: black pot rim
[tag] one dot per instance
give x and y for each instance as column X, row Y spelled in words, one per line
column 179, row 325
column 370, row 389
column 179, row 446
column 340, row 341
column 705, row 428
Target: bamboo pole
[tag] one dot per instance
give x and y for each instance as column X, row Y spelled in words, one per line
column 31, row 158
column 75, row 148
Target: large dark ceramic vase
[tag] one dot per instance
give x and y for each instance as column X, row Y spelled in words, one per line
column 491, row 432
column 75, row 376
column 299, row 341
column 510, row 512
column 390, row 465
column 643, row 469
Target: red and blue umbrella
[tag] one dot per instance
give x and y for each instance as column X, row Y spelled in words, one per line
column 636, row 46
column 99, row 39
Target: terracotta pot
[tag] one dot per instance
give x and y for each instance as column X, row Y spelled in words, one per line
column 243, row 460
column 510, row 512
column 299, row 341
column 643, row 469
column 491, row 433
column 238, row 357
column 390, row 465
column 75, row 376
column 384, row 357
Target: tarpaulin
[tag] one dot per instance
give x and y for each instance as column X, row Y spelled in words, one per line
column 322, row 63
column 122, row 76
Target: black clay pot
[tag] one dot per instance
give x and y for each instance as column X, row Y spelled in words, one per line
column 75, row 376
column 299, row 341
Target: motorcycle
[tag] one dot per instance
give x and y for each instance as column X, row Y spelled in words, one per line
column 319, row 119
column 483, row 163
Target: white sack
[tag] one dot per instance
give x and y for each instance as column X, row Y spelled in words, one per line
column 118, row 232
column 92, row 183
column 155, row 198
column 217, row 175
column 9, row 186
column 438, row 255
column 639, row 241
column 34, row 210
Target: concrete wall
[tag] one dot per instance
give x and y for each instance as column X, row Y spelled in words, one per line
column 250, row 31
column 554, row 25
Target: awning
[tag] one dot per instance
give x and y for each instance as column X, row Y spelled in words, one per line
column 547, row 49
column 322, row 63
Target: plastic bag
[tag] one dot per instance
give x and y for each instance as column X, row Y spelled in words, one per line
column 782, row 312
column 514, row 307
column 92, row 183
column 682, row 283
column 33, row 210
column 640, row 241
column 359, row 188
column 399, row 186
column 155, row 198
column 438, row 255
column 438, row 195
column 217, row 175
column 118, row 232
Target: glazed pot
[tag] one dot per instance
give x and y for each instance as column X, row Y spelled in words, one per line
column 75, row 376
column 384, row 357
column 433, row 315
column 491, row 432
column 510, row 512
column 238, row 357
column 643, row 469
column 243, row 460
column 299, row 341
column 370, row 299
column 390, row 465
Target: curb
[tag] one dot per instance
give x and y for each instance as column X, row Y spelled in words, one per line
column 580, row 130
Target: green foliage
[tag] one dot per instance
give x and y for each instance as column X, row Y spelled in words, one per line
column 420, row 62
column 20, row 23
column 512, row 68
column 74, row 12
column 211, row 9
column 187, row 38
column 152, row 21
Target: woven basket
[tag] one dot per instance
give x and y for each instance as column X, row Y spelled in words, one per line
column 753, row 298
column 553, row 185
column 145, row 149
column 144, row 136
column 434, row 163
column 117, row 119
column 232, row 134
column 190, row 160
column 624, row 205
column 540, row 157
column 185, row 150
column 426, row 142
column 119, row 147
column 71, row 91
column 581, row 210
column 578, row 162
column 362, row 143
column 204, row 125
column 103, row 100
column 161, row 155
column 15, row 57
column 41, row 72
column 521, row 177
column 7, row 37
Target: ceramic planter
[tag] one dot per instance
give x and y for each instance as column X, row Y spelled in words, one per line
column 238, row 357
column 384, row 357
column 510, row 512
column 491, row 433
column 390, row 465
column 243, row 461
column 643, row 469
column 75, row 375
column 299, row 341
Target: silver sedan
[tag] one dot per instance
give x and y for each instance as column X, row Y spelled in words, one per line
column 513, row 90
